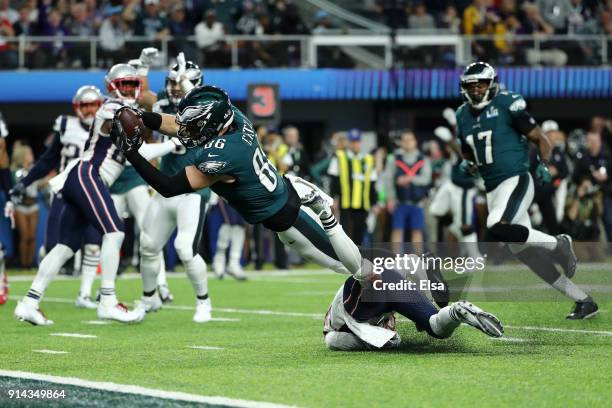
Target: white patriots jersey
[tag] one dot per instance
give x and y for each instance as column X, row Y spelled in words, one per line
column 100, row 150
column 72, row 136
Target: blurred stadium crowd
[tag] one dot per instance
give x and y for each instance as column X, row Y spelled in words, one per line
column 578, row 201
column 198, row 28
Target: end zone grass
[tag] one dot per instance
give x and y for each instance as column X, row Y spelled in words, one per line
column 268, row 346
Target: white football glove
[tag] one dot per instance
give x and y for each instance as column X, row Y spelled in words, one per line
column 148, row 56
column 449, row 115
column 185, row 83
column 443, row 133
column 179, row 147
column 9, row 212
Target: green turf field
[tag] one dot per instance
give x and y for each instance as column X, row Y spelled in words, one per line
column 267, row 346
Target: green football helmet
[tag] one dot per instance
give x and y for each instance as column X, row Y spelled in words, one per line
column 479, row 72
column 202, row 114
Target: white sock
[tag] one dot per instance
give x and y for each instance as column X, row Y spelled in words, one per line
column 161, row 275
column 569, row 289
column 539, row 239
column 48, row 269
column 223, row 239
column 237, row 242
column 344, row 247
column 91, row 258
column 109, row 262
column 196, row 271
column 442, row 323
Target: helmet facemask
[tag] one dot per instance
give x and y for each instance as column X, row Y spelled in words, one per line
column 195, row 127
column 127, row 89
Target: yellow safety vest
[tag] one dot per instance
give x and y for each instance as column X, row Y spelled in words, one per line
column 355, row 195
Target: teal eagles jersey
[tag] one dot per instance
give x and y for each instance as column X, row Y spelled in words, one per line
column 500, row 150
column 173, row 163
column 258, row 191
column 127, row 180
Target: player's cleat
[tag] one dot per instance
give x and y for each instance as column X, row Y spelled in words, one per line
column 316, row 203
column 203, row 311
column 4, row 290
column 565, row 255
column 85, row 302
column 164, row 294
column 120, row 313
column 467, row 313
column 149, row 304
column 235, row 270
column 583, row 310
column 218, row 264
column 32, row 315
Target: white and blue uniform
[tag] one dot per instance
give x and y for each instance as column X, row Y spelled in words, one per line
column 68, row 144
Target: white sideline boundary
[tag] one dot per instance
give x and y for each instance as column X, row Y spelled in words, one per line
column 321, row 316
column 137, row 390
column 47, row 351
column 75, row 335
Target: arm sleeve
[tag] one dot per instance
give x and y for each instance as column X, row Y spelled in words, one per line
column 389, row 178
column 150, row 151
column 47, row 162
column 167, row 186
column 522, row 121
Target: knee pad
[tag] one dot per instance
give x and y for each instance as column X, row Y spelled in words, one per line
column 148, row 246
column 509, row 232
column 184, row 247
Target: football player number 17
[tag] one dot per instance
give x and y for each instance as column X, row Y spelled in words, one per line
column 264, row 171
column 487, row 135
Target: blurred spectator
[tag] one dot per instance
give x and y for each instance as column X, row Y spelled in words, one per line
column 393, row 12
column 8, row 56
column 407, row 178
column 548, row 53
column 450, row 20
column 55, row 51
column 287, row 21
column 420, row 19
column 81, row 24
column 27, row 27
column 594, row 164
column 26, row 213
column 581, row 222
column 322, row 23
column 209, row 35
column 180, row 29
column 150, row 23
column 7, row 12
column 555, row 13
column 479, row 19
column 299, row 159
column 113, row 33
column 248, row 23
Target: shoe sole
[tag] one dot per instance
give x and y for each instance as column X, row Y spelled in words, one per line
column 590, row 315
column 570, row 270
column 487, row 323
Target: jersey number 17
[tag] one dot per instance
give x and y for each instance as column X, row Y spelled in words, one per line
column 487, row 136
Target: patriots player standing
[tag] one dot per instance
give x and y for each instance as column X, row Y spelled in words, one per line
column 490, row 126
column 84, row 188
column 70, row 133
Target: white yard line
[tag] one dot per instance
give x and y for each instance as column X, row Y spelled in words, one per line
column 562, row 330
column 225, row 319
column 137, row 390
column 76, row 335
column 510, row 339
column 45, row 351
column 97, row 322
column 206, row 348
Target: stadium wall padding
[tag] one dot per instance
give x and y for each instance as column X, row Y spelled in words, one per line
column 330, row 84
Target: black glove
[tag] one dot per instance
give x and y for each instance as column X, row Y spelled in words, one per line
column 120, row 139
column 17, row 193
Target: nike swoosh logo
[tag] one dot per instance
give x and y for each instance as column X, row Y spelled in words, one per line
column 212, row 155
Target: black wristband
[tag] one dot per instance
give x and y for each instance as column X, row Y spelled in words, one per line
column 151, row 120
